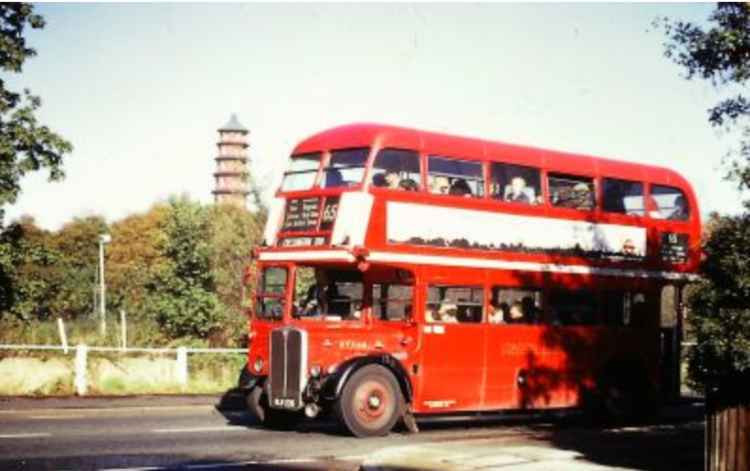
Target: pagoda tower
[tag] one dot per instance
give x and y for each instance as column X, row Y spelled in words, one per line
column 231, row 164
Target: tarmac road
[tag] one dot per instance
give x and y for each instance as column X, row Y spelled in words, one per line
column 191, row 433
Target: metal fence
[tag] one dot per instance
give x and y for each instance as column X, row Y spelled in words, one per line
column 81, row 358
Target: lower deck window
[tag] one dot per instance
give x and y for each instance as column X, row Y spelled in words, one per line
column 392, row 302
column 515, row 306
column 454, row 304
column 335, row 294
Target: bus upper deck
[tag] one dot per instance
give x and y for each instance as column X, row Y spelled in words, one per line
column 373, row 193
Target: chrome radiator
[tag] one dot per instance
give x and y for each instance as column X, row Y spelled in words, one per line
column 288, row 368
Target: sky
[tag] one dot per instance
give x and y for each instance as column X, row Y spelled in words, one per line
column 140, row 89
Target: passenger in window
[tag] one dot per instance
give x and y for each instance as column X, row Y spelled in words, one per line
column 680, row 212
column 439, row 185
column 430, row 314
column 531, row 312
column 448, row 313
column 517, row 191
column 379, row 180
column 499, row 313
column 392, row 179
column 460, row 188
column 515, row 314
column 583, row 196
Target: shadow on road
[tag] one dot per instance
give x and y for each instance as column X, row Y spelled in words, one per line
column 153, row 463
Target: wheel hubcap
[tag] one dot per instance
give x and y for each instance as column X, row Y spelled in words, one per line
column 373, row 402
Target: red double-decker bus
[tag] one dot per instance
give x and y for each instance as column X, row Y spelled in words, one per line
column 406, row 273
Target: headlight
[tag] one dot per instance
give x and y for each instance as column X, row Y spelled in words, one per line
column 315, row 371
column 258, row 365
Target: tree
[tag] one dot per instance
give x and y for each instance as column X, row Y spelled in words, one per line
column 181, row 295
column 720, row 303
column 233, row 233
column 26, row 286
column 720, row 306
column 719, row 53
column 25, row 144
column 134, row 258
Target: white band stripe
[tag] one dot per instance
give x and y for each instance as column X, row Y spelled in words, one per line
column 394, row 257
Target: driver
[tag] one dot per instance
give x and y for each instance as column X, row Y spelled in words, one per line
column 319, row 295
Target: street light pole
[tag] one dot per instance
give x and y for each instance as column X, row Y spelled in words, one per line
column 103, row 239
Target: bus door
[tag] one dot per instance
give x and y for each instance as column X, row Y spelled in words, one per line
column 452, row 348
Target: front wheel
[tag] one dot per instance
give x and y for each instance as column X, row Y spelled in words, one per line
column 370, row 402
column 257, row 404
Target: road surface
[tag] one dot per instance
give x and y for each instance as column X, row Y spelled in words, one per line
column 195, row 434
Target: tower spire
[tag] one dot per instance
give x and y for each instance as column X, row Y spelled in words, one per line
column 231, row 164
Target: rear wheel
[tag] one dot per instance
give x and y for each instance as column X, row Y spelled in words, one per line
column 370, row 402
column 257, row 404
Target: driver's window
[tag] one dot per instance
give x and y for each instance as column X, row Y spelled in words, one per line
column 270, row 299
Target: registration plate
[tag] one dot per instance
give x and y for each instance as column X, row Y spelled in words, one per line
column 285, row 403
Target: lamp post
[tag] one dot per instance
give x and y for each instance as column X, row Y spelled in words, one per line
column 103, row 239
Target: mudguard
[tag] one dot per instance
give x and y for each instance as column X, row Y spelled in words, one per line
column 334, row 384
column 247, row 380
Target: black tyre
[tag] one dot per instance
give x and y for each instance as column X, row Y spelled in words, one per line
column 257, row 404
column 370, row 403
column 626, row 397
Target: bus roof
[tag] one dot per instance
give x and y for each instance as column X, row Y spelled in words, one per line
column 381, row 136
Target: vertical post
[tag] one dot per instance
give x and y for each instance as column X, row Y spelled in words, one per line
column 182, row 366
column 63, row 337
column 123, row 330
column 80, row 369
column 678, row 341
column 102, row 302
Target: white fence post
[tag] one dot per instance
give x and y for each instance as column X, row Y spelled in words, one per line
column 80, row 369
column 63, row 337
column 124, row 329
column 182, row 366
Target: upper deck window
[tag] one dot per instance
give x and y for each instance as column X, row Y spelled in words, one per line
column 571, row 191
column 669, row 202
column 623, row 196
column 455, row 177
column 396, row 169
column 345, row 168
column 515, row 183
column 302, row 171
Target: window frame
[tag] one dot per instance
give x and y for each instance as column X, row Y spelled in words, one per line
column 482, row 174
column 481, row 303
column 317, row 176
column 644, row 196
column 595, row 193
column 654, row 204
column 542, row 309
column 325, row 168
column 371, row 169
column 541, row 194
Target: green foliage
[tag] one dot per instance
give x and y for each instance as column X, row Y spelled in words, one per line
column 182, row 294
column 719, row 53
column 25, row 144
column 133, row 258
column 720, row 305
column 233, row 233
column 25, row 283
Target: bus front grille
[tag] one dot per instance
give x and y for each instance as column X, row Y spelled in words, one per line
column 288, row 367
